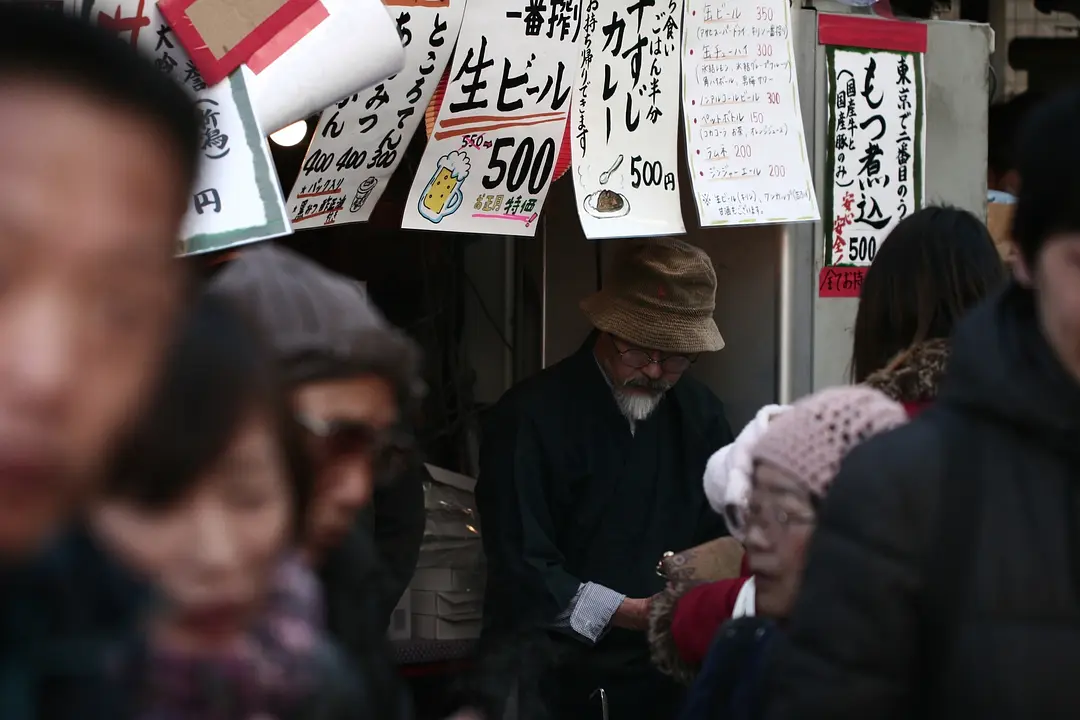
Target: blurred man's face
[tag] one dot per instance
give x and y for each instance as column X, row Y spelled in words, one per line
column 349, row 423
column 91, row 200
column 1055, row 279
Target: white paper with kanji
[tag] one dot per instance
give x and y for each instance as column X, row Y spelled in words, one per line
column 625, row 119
column 237, row 198
column 360, row 141
column 744, row 133
column 875, row 166
column 488, row 164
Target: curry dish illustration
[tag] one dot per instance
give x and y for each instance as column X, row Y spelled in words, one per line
column 604, row 204
column 608, row 201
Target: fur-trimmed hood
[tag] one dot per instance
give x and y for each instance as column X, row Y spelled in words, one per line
column 915, row 375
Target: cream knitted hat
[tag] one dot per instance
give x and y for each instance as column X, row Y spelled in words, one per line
column 809, row 441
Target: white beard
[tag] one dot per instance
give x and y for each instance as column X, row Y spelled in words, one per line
column 637, row 406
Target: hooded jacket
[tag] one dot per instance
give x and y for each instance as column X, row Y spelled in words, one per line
column 879, row 630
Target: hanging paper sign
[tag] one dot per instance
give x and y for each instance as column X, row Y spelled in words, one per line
column 296, row 31
column 432, row 114
column 219, row 35
column 324, row 56
column 875, row 162
column 236, row 196
column 744, row 132
column 488, row 165
column 626, row 120
column 359, row 142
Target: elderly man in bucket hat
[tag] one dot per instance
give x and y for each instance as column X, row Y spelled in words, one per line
column 589, row 472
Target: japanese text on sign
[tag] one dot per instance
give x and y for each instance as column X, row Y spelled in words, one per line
column 745, row 137
column 488, row 164
column 626, row 125
column 876, row 149
column 359, row 141
column 236, row 198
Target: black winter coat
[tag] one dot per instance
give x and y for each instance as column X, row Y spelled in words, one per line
column 944, row 577
column 355, row 586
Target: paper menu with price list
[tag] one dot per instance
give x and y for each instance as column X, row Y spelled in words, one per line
column 625, row 119
column 359, row 142
column 487, row 167
column 745, row 141
column 236, row 198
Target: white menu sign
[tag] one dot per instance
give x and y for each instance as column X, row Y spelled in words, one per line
column 237, row 198
column 876, row 120
column 488, row 164
column 745, row 142
column 625, row 120
column 360, row 141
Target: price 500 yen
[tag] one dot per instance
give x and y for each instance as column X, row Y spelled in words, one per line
column 649, row 174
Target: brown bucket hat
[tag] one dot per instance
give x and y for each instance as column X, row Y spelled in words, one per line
column 660, row 295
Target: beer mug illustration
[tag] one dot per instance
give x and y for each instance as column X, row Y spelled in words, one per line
column 442, row 196
column 363, row 192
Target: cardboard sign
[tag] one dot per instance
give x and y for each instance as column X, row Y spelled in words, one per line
column 744, row 134
column 220, row 35
column 488, row 166
column 874, row 165
column 359, row 142
column 626, row 120
column 237, row 198
column 353, row 48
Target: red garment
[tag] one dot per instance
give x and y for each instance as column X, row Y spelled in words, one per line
column 700, row 611
column 914, row 408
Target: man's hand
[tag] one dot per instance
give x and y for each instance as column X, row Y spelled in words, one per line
column 633, row 614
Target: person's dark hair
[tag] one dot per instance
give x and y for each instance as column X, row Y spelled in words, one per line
column 38, row 44
column 1004, row 123
column 217, row 374
column 933, row 266
column 1048, row 158
column 391, row 354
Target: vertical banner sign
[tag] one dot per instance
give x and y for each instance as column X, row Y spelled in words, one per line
column 359, row 141
column 236, row 198
column 626, row 119
column 487, row 167
column 874, row 168
column 744, row 132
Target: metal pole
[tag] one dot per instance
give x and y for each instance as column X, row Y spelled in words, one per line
column 510, row 248
column 785, row 326
column 543, row 291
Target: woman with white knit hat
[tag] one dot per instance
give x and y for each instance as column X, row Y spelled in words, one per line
column 794, row 463
column 937, row 263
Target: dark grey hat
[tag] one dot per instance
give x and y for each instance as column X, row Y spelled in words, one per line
column 322, row 325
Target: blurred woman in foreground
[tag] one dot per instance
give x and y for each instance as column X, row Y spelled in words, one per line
column 206, row 501
column 934, row 266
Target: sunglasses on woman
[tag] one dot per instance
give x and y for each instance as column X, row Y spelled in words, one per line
column 388, row 450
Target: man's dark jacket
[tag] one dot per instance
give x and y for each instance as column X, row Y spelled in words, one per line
column 567, row 494
column 943, row 579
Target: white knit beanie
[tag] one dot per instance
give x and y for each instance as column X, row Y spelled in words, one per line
column 728, row 472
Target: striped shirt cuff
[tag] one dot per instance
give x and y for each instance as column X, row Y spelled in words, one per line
column 589, row 613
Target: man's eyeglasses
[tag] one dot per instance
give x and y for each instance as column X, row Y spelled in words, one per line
column 637, row 358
